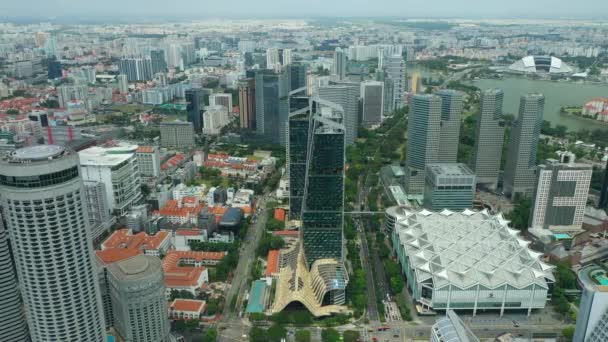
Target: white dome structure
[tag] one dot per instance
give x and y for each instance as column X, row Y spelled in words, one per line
column 541, row 64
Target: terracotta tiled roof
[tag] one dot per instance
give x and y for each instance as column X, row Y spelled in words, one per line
column 190, row 305
column 113, row 255
column 145, row 149
column 293, row 233
column 122, row 238
column 273, row 262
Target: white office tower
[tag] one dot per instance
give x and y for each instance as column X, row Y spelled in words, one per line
column 345, row 94
column 12, row 317
column 339, row 66
column 100, row 217
column 372, row 102
column 395, row 67
column 272, row 58
column 43, row 199
column 287, row 56
column 137, row 293
column 560, row 196
column 214, row 118
column 451, row 329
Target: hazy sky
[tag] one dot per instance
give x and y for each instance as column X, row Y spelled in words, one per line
column 299, row 8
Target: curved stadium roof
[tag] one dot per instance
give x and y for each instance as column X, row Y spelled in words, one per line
column 541, row 64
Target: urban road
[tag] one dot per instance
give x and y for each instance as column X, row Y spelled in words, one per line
column 232, row 327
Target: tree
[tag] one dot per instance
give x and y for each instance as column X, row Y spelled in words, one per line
column 257, row 334
column 351, row 336
column 277, row 242
column 330, row 335
column 302, row 336
column 520, row 214
column 568, row 333
column 276, row 332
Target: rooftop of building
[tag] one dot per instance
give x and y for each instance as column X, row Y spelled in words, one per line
column 37, row 153
column 124, row 238
column 101, row 156
column 272, row 265
column 145, row 149
column 594, row 278
column 109, row 256
column 135, row 268
column 452, row 328
column 450, row 170
column 189, row 305
column 469, row 248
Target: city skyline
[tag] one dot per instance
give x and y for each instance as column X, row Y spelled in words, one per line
column 588, row 9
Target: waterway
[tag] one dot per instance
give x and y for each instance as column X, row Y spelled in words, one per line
column 557, row 95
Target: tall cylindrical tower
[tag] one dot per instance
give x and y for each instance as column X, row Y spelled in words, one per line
column 42, row 196
column 12, row 317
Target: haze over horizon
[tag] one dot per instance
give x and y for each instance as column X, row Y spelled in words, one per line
column 242, row 9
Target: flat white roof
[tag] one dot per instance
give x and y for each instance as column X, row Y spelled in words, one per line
column 468, row 248
column 99, row 156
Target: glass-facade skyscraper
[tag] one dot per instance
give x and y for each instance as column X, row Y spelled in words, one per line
column 272, row 105
column 194, row 98
column 489, row 138
column 423, row 140
column 322, row 211
column 451, row 109
column 519, row 177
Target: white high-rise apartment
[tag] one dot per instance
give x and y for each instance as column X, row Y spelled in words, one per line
column 42, row 196
column 119, row 173
column 148, row 160
column 287, row 56
column 272, row 58
column 214, row 118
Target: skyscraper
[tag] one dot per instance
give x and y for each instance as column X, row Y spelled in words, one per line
column 382, row 76
column 136, row 68
column 489, row 139
column 54, row 69
column 194, row 98
column 297, row 76
column 561, row 195
column 247, row 103
column 137, row 293
column 271, row 100
column 123, row 84
column 451, row 109
column 287, row 57
column 592, row 318
column 339, row 67
column 372, row 103
column 44, row 206
column 423, row 140
column 297, row 155
column 13, row 326
column 395, row 68
column 157, row 58
column 519, row 175
column 604, row 194
column 323, row 195
column 345, row 94
column 272, row 58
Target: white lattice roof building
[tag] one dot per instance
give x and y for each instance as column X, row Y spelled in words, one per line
column 469, row 260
